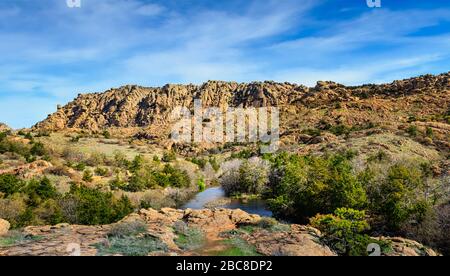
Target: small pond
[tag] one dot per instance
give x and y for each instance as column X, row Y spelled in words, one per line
column 252, row 206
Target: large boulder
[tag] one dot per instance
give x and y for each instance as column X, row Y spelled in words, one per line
column 299, row 241
column 4, row 227
column 405, row 247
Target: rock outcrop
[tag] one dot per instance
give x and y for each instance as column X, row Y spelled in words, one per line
column 146, row 111
column 295, row 240
column 4, row 127
column 30, row 170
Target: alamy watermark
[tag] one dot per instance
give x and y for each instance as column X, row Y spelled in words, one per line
column 73, row 3
column 374, row 3
column 374, row 249
column 213, row 125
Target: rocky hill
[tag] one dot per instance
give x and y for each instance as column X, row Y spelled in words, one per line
column 4, row 127
column 170, row 232
column 147, row 109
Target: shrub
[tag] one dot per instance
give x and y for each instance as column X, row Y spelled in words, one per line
column 43, row 133
column 156, row 159
column 38, row 149
column 17, row 238
column 251, row 178
column 121, row 160
column 267, row 223
column 106, row 134
column 169, row 156
column 201, row 184
column 12, row 209
column 400, row 196
column 130, row 246
column 189, row 238
column 101, row 171
column 4, row 135
column 10, row 184
column 412, row 130
column 214, row 164
column 340, row 130
column 39, row 190
column 117, row 183
column 80, row 166
column 137, row 163
column 172, row 177
column 301, row 187
column 48, row 212
column 312, row 132
column 244, row 154
column 199, row 162
column 378, row 157
column 343, row 231
column 28, row 136
column 88, row 176
column 142, row 179
column 19, row 148
column 121, row 208
column 75, row 139
column 156, row 199
column 92, row 206
column 429, row 132
column 238, row 247
column 96, row 159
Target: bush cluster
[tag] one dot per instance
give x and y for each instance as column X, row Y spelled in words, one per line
column 37, row 202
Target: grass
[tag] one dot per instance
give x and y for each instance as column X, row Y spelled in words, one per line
column 129, row 239
column 238, row 247
column 130, row 246
column 268, row 224
column 92, row 145
column 191, row 239
column 124, row 229
column 17, row 238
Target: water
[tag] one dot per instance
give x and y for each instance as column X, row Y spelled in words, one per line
column 253, row 206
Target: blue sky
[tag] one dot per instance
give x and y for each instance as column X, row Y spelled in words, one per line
column 50, row 53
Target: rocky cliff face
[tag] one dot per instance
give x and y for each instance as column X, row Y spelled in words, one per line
column 149, row 108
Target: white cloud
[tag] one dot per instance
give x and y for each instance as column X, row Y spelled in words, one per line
column 150, row 10
column 61, row 52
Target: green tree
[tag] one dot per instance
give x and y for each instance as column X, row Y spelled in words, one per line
column 95, row 207
column 344, row 231
column 39, row 190
column 10, row 184
column 137, row 163
column 301, row 187
column 400, row 196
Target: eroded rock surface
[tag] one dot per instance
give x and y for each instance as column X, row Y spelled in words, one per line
column 296, row 240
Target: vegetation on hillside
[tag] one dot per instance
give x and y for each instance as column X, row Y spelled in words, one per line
column 345, row 201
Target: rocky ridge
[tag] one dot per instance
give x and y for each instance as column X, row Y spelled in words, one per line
column 136, row 108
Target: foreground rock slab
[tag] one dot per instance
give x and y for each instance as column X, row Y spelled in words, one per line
column 294, row 240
